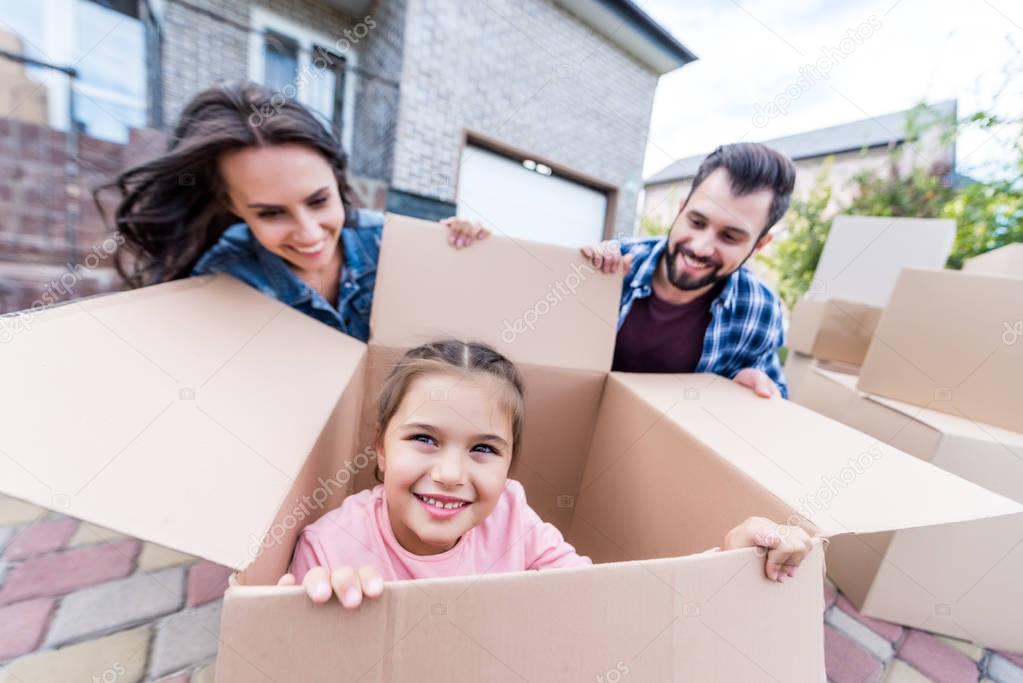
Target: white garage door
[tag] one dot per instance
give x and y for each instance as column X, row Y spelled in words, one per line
column 528, row 201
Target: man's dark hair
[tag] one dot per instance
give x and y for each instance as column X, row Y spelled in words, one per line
column 751, row 167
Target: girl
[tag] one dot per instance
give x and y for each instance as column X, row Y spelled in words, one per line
column 449, row 422
column 255, row 186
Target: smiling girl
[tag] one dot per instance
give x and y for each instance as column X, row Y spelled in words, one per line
column 449, row 424
column 254, row 185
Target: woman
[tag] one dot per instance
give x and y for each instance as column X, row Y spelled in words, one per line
column 254, row 185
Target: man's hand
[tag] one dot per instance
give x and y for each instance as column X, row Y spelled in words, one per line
column 607, row 256
column 758, row 381
column 462, row 233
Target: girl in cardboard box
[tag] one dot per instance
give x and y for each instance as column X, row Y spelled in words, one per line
column 449, row 422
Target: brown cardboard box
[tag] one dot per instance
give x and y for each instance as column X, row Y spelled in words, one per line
column 1006, row 261
column 833, row 329
column 952, row 342
column 962, row 580
column 205, row 416
column 854, row 278
column 799, row 366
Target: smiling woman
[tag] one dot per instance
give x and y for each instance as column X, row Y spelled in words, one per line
column 254, row 185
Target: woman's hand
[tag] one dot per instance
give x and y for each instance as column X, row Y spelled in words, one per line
column 348, row 584
column 785, row 546
column 462, row 233
column 607, row 256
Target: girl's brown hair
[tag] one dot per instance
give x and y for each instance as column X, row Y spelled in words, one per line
column 450, row 355
column 173, row 208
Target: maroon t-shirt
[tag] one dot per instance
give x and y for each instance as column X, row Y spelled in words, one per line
column 661, row 337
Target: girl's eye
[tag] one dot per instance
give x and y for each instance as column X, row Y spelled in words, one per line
column 269, row 213
column 319, row 201
column 485, row 447
column 424, row 438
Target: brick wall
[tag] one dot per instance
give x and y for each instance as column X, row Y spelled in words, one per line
column 40, row 262
column 206, row 41
column 529, row 74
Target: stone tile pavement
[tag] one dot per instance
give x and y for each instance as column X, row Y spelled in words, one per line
column 83, row 603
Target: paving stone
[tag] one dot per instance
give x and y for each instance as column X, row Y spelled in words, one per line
column 155, row 557
column 6, row 534
column 206, row 581
column 900, row 672
column 846, row 661
column 1003, row 670
column 866, row 638
column 3, row 570
column 974, row 652
column 14, row 512
column 936, row 660
column 40, row 538
column 887, row 630
column 22, row 626
column 185, row 638
column 1016, row 659
column 117, row 605
column 69, row 570
column 177, row 678
column 120, row 657
column 206, row 674
column 88, row 534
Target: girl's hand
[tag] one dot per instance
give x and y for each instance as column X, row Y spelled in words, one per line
column 786, row 546
column 348, row 584
column 462, row 233
column 607, row 256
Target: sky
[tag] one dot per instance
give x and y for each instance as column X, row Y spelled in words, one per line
column 769, row 68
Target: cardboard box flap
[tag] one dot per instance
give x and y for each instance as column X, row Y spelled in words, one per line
column 838, row 478
column 1006, row 261
column 536, row 303
column 948, row 424
column 863, row 255
column 179, row 413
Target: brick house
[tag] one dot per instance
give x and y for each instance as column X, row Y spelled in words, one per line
column 528, row 115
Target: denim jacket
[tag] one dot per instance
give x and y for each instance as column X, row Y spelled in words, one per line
column 240, row 254
column 745, row 329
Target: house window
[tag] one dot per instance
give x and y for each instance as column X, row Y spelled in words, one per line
column 300, row 63
column 105, row 42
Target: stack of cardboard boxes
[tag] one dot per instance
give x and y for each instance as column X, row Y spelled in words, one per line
column 943, row 381
column 834, row 323
column 205, row 416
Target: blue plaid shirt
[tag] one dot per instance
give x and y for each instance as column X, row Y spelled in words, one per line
column 745, row 329
column 240, row 254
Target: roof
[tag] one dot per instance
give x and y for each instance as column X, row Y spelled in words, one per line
column 877, row 131
column 626, row 25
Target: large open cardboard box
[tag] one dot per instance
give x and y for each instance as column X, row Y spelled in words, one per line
column 1006, row 261
column 207, row 417
column 854, row 279
column 953, row 342
column 962, row 580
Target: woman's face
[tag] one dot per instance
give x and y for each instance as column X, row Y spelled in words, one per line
column 289, row 197
column 445, row 457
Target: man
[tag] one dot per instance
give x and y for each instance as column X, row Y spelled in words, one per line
column 688, row 302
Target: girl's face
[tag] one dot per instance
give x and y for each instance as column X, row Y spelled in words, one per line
column 289, row 197
column 445, row 458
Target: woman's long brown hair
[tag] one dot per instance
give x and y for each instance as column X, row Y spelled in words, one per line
column 173, row 208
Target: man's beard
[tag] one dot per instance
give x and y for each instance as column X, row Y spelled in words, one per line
column 687, row 282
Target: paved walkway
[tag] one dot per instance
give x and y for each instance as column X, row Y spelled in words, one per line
column 82, row 603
